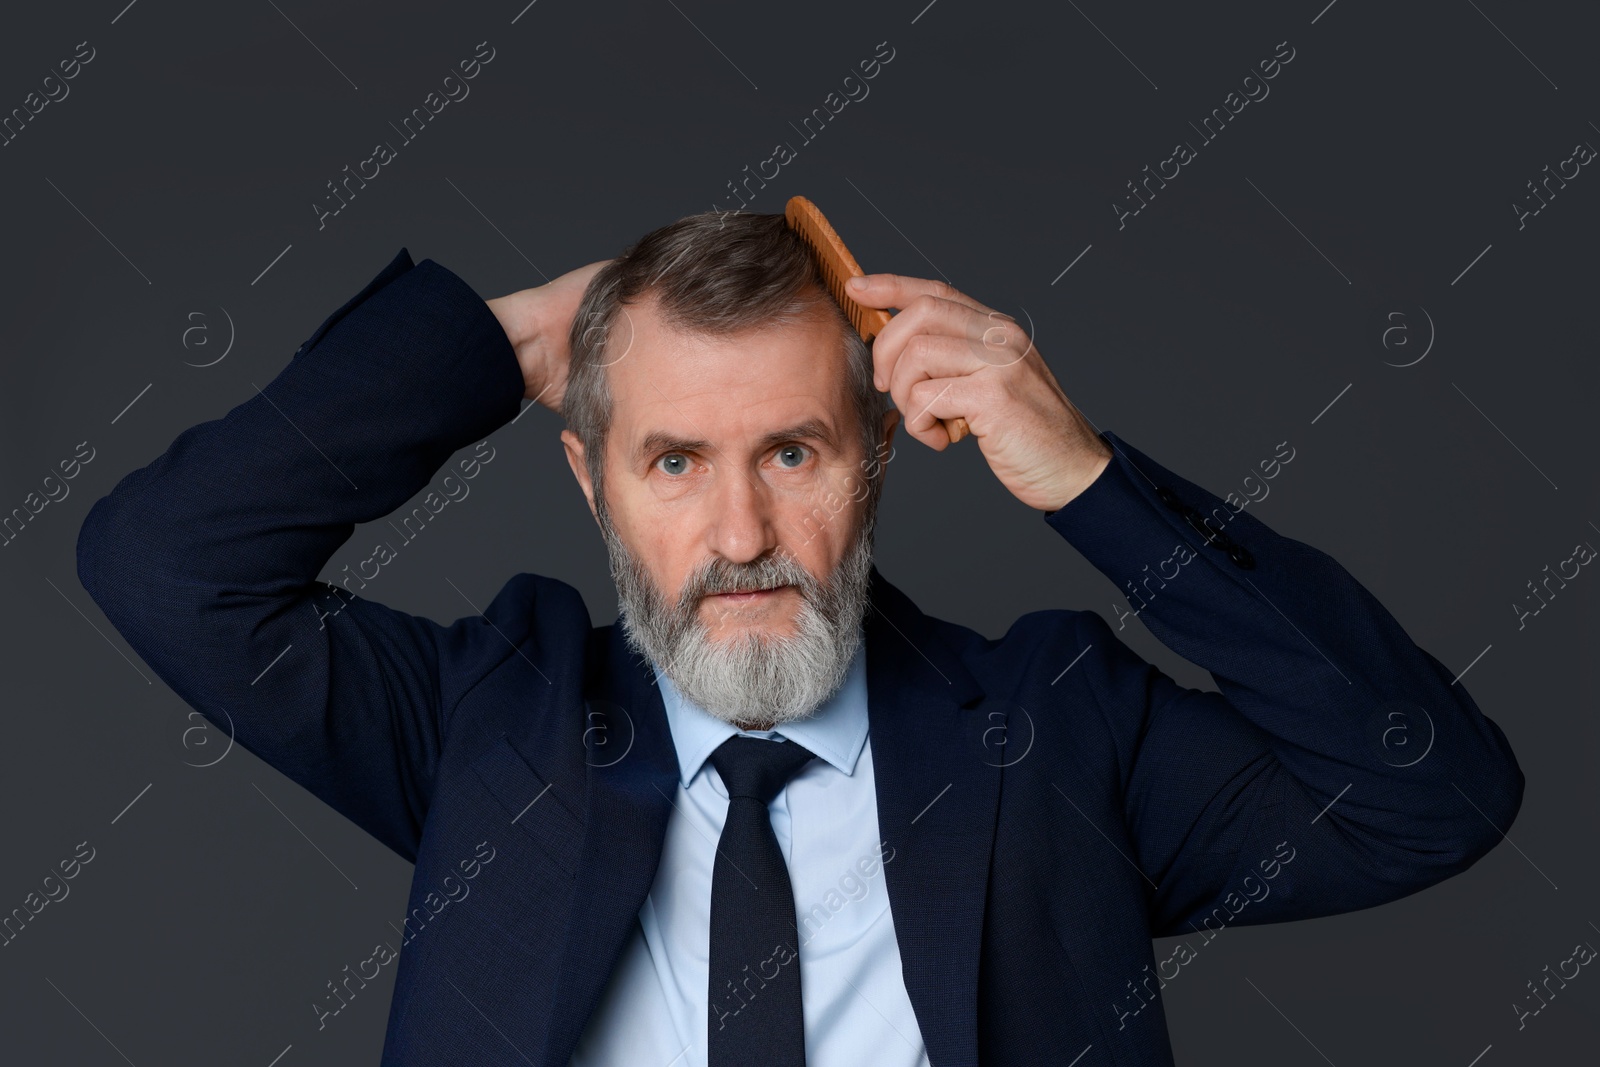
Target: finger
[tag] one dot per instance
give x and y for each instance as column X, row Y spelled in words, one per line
column 928, row 356
column 897, row 291
column 932, row 401
column 990, row 336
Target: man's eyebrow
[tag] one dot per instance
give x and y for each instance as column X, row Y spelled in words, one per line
column 664, row 440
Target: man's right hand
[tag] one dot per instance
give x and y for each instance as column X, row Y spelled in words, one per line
column 538, row 323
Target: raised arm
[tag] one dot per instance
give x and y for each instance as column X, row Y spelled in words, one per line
column 1335, row 740
column 206, row 560
column 1336, row 744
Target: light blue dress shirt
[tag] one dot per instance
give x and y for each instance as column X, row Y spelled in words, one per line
column 654, row 1012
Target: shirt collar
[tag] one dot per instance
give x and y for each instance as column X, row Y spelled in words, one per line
column 836, row 732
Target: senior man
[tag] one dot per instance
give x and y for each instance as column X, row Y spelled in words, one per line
column 776, row 814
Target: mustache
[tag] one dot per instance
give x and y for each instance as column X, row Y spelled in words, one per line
column 719, row 576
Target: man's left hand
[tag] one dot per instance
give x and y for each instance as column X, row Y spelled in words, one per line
column 947, row 355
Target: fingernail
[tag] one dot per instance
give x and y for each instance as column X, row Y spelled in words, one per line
column 857, row 282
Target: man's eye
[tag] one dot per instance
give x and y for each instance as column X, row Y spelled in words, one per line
column 673, row 463
column 794, row 453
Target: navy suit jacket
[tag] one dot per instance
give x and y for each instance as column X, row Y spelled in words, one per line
column 1053, row 801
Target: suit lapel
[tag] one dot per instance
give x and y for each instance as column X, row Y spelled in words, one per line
column 936, row 757
column 629, row 799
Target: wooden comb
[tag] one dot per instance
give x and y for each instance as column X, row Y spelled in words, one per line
column 839, row 266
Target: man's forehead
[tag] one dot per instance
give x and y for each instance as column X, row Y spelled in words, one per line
column 761, row 435
column 679, row 387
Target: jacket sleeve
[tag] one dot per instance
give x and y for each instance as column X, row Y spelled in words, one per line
column 206, row 560
column 1340, row 766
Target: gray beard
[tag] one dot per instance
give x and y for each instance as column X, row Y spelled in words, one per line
column 753, row 678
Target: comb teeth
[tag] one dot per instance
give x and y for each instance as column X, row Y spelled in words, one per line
column 835, row 262
column 838, row 266
column 833, row 282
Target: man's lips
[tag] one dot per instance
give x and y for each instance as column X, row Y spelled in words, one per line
column 748, row 596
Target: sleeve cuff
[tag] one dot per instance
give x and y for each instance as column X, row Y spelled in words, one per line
column 1137, row 516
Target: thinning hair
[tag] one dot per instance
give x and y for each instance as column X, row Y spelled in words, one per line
column 712, row 273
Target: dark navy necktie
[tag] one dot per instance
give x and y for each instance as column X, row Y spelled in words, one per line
column 755, row 1016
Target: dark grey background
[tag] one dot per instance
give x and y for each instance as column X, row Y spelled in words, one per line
column 1212, row 327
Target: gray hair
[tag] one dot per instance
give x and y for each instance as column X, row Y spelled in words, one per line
column 713, row 273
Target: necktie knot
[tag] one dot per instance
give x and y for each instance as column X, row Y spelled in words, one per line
column 757, row 768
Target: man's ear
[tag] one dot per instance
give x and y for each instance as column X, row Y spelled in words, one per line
column 580, row 469
column 891, row 420
column 877, row 464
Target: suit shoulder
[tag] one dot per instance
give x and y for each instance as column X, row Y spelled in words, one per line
column 541, row 619
column 1024, row 655
column 1045, row 625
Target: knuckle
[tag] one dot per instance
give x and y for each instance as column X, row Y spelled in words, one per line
column 922, row 393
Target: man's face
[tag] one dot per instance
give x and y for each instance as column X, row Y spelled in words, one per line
column 736, row 509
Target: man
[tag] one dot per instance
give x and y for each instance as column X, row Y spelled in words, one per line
column 777, row 815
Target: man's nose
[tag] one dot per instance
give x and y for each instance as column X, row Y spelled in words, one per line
column 742, row 527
